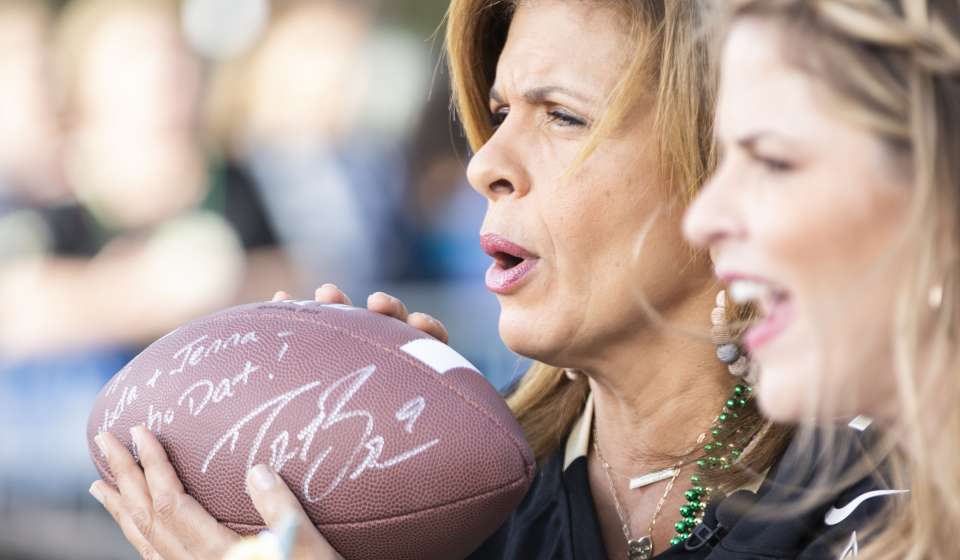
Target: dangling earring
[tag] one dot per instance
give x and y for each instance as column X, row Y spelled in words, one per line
column 728, row 351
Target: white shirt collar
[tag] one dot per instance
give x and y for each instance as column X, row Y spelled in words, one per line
column 578, row 443
column 578, row 440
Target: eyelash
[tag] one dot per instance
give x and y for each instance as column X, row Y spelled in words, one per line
column 497, row 117
column 559, row 117
column 565, row 119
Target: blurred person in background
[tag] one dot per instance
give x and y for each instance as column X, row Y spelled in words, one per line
column 147, row 240
column 444, row 211
column 30, row 135
column 301, row 114
column 116, row 228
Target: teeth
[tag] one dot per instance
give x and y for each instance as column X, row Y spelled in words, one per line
column 746, row 291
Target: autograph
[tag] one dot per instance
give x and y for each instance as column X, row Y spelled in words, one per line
column 332, row 404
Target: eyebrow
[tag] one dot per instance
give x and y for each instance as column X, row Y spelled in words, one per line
column 749, row 141
column 539, row 95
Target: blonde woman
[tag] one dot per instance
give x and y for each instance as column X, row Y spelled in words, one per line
column 836, row 209
column 590, row 123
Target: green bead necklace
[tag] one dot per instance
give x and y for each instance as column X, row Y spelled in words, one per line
column 720, row 454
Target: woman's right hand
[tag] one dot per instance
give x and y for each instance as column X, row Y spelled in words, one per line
column 382, row 303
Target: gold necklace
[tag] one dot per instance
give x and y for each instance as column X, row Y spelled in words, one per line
column 642, row 548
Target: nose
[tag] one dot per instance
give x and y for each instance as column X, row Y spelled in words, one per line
column 497, row 170
column 712, row 218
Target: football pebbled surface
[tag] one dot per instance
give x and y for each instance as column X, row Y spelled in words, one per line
column 396, row 446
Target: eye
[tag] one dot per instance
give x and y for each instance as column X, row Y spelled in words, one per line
column 497, row 116
column 774, row 165
column 563, row 118
column 771, row 164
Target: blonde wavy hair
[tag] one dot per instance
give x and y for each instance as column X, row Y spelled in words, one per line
column 892, row 67
column 672, row 66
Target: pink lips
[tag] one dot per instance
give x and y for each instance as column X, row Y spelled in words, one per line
column 777, row 317
column 511, row 266
column 777, row 320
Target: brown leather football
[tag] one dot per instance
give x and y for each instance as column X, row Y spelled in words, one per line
column 395, row 444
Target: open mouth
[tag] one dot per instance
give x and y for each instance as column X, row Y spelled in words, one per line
column 506, row 261
column 512, row 263
column 774, row 305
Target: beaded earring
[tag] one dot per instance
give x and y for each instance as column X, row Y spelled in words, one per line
column 728, row 351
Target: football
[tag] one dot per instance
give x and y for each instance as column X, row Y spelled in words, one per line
column 396, row 445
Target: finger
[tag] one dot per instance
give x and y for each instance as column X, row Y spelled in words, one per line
column 281, row 296
column 386, row 304
column 429, row 325
column 330, row 293
column 156, row 465
column 182, row 516
column 130, row 482
column 135, row 500
column 111, row 500
column 277, row 505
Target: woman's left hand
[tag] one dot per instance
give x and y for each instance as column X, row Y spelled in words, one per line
column 162, row 522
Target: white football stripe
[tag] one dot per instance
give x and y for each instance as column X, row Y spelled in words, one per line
column 437, row 355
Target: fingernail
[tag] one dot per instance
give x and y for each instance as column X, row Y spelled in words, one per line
column 329, row 285
column 103, row 447
column 277, row 296
column 96, row 492
column 134, row 435
column 262, row 478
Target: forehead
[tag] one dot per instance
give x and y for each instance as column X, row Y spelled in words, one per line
column 759, row 86
column 763, row 91
column 582, row 43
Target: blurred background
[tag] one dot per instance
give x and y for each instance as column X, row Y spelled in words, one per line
column 160, row 160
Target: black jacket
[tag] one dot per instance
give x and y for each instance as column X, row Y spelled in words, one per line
column 557, row 519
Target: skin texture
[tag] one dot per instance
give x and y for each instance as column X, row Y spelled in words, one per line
column 655, row 390
column 584, row 221
column 581, row 306
column 816, row 206
column 161, row 521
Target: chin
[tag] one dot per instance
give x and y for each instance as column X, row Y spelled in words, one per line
column 803, row 390
column 784, row 393
column 526, row 332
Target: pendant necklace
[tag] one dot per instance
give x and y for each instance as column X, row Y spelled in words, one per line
column 640, row 548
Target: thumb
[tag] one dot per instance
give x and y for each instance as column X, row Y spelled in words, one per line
column 278, row 505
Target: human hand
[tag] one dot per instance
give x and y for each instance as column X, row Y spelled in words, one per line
column 163, row 522
column 384, row 304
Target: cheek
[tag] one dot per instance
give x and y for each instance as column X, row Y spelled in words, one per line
column 831, row 244
column 834, row 250
column 591, row 226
